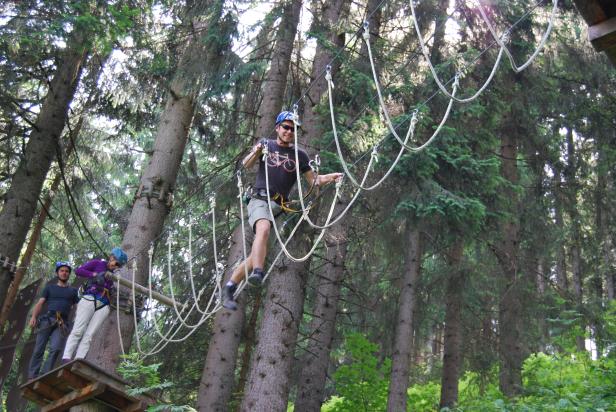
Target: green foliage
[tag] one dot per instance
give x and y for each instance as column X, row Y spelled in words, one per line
column 568, row 382
column 146, row 379
column 362, row 383
column 564, row 382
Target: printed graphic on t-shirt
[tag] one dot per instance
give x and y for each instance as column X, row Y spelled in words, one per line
column 276, row 159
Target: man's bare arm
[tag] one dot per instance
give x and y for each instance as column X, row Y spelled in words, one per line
column 252, row 157
column 36, row 312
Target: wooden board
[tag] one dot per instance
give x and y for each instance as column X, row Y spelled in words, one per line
column 601, row 18
column 80, row 381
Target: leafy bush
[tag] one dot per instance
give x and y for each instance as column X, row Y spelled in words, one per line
column 561, row 382
column 361, row 383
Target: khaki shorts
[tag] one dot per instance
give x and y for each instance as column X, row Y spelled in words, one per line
column 258, row 209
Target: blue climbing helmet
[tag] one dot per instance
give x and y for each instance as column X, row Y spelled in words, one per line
column 282, row 116
column 119, row 255
column 61, row 263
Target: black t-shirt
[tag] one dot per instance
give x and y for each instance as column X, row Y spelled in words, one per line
column 60, row 299
column 281, row 168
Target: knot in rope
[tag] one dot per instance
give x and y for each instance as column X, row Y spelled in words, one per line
column 375, row 154
column 339, row 183
column 213, row 201
column 240, row 185
column 366, row 33
column 328, row 75
column 415, row 118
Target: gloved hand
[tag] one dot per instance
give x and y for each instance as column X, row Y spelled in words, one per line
column 109, row 275
column 100, row 278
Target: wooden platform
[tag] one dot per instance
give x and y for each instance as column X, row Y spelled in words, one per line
column 78, row 382
column 601, row 18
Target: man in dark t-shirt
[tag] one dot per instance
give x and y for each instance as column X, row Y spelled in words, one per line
column 52, row 326
column 281, row 176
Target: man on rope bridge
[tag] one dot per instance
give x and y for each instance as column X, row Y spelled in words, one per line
column 94, row 305
column 280, row 158
column 52, row 326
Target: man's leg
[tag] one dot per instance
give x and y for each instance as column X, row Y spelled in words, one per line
column 255, row 260
column 56, row 343
column 42, row 336
column 259, row 251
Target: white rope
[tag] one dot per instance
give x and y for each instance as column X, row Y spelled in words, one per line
column 424, row 50
column 240, row 188
column 190, row 267
column 384, row 107
column 118, row 319
column 348, row 173
column 499, row 39
column 138, row 342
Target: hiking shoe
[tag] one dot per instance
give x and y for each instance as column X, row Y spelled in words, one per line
column 255, row 278
column 228, row 301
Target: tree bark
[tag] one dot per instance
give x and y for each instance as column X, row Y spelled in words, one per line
column 576, row 232
column 311, row 386
column 452, row 357
column 276, row 81
column 21, row 199
column 401, row 357
column 217, row 381
column 149, row 211
column 269, row 381
column 510, row 305
column 561, row 255
column 218, row 378
column 315, row 363
column 602, row 215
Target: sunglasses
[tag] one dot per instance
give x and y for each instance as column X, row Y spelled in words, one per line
column 287, row 127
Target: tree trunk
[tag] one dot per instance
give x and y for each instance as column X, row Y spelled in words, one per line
column 452, row 358
column 576, row 232
column 153, row 199
column 315, row 363
column 561, row 255
column 275, row 83
column 94, row 70
column 401, row 357
column 269, row 381
column 21, row 199
column 602, row 215
column 217, row 380
column 510, row 305
column 311, row 386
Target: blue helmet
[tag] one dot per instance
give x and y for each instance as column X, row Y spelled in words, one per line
column 282, row 116
column 119, row 255
column 60, row 264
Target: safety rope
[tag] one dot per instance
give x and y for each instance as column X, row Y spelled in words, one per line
column 384, row 107
column 424, row 51
column 501, row 43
